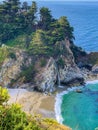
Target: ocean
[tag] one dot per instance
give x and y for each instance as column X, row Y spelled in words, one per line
column 78, row 110
column 83, row 16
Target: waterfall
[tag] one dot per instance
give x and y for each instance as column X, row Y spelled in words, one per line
column 58, row 79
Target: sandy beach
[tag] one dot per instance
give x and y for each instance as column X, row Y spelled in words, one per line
column 34, row 102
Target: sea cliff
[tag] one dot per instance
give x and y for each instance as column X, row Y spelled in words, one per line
column 46, row 74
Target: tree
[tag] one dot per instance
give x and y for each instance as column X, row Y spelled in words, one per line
column 10, row 10
column 25, row 6
column 66, row 28
column 45, row 18
column 9, row 21
column 31, row 17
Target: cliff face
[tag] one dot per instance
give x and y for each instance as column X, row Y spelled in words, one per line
column 46, row 79
column 57, row 70
column 11, row 67
column 47, row 73
column 54, row 73
column 70, row 73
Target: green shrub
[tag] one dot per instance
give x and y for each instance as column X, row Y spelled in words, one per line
column 60, row 62
column 6, row 52
column 12, row 117
column 27, row 73
column 43, row 62
column 12, row 55
column 3, row 54
column 3, row 95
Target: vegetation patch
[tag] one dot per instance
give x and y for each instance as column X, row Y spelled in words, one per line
column 61, row 62
column 27, row 73
column 43, row 62
column 37, row 35
column 12, row 55
column 6, row 52
column 3, row 54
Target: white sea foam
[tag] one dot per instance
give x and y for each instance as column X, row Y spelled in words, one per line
column 92, row 82
column 58, row 102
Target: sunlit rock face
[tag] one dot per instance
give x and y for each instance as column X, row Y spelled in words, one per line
column 54, row 75
column 11, row 68
column 60, row 69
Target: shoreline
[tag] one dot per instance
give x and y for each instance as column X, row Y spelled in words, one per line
column 60, row 95
column 49, row 106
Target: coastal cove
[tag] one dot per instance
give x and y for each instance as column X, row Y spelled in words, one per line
column 71, row 107
column 67, row 107
column 52, row 82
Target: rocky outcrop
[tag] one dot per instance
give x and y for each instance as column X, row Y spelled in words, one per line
column 54, row 75
column 95, row 69
column 70, row 74
column 57, row 70
column 46, row 80
column 11, row 67
column 90, row 74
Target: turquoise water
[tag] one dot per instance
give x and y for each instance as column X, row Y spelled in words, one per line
column 80, row 110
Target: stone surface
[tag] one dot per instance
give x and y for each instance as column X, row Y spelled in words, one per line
column 47, row 77
column 11, row 68
column 46, row 80
column 53, row 75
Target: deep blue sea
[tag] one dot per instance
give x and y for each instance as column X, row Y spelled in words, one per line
column 83, row 16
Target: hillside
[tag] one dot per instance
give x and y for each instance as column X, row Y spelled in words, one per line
column 37, row 52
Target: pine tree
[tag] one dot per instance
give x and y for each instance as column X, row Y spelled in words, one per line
column 31, row 17
column 10, row 10
column 45, row 18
